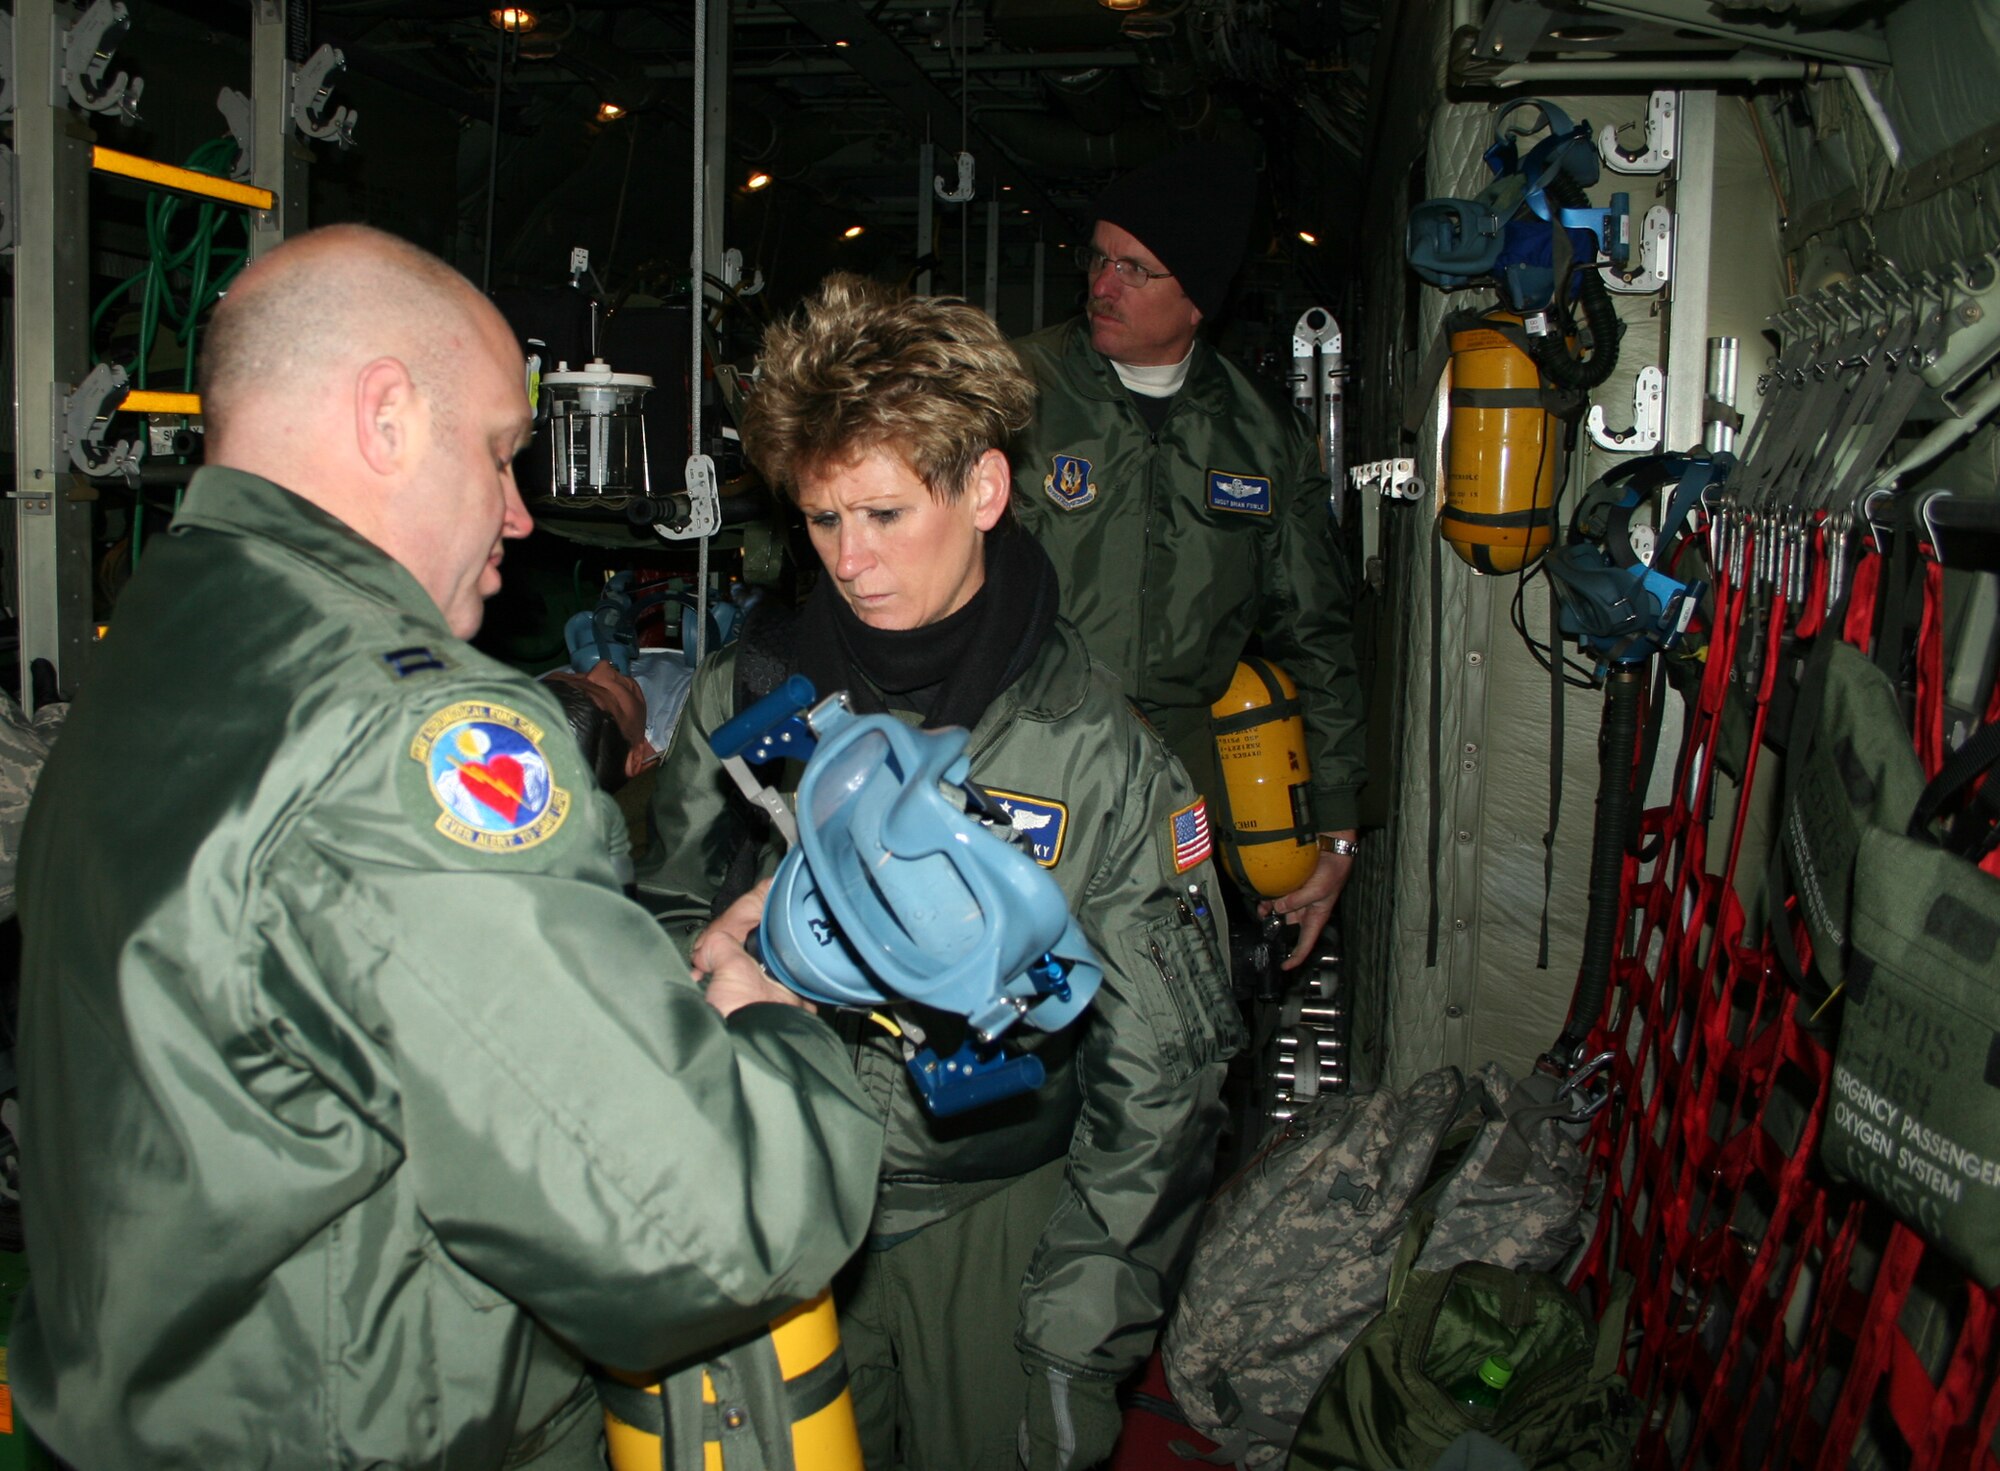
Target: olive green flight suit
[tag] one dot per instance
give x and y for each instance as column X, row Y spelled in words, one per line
column 1176, row 548
column 358, row 1102
column 1111, row 1157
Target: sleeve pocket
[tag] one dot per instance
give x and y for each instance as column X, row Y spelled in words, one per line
column 1184, row 994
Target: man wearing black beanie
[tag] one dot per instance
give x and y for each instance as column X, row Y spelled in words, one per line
column 1184, row 503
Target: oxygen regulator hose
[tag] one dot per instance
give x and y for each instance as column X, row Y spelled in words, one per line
column 1607, row 852
column 1552, row 352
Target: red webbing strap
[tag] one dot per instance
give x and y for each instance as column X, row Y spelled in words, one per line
column 1930, row 670
column 1860, row 627
column 1813, row 615
column 1706, row 1038
column 1989, row 1420
column 1956, row 1400
column 1755, row 1151
column 1991, row 862
column 1674, row 1234
column 1872, row 1351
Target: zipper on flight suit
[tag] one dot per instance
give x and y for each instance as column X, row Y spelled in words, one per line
column 1173, row 988
column 1146, row 535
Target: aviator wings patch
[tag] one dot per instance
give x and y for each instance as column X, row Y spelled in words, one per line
column 1040, row 820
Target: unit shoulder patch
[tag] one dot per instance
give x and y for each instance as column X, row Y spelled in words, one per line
column 1040, row 820
column 484, row 764
column 1246, row 494
column 1068, row 482
column 1187, row 830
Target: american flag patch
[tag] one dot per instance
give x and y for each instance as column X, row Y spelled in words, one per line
column 1190, row 832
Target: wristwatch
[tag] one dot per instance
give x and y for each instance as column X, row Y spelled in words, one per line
column 1342, row 847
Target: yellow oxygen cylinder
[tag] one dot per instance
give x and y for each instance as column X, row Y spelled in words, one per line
column 1268, row 842
column 824, row 1434
column 1500, row 460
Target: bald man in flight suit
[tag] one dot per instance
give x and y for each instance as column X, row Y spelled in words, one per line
column 360, row 1104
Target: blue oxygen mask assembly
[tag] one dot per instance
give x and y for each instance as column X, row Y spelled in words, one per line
column 905, row 882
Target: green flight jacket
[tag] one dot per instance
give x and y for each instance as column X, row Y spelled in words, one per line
column 1175, row 549
column 1132, row 1091
column 356, row 1105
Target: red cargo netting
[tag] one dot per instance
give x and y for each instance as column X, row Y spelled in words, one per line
column 1780, row 1319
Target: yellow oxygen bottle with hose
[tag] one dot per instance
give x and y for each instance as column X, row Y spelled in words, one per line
column 820, row 1406
column 1268, row 842
column 1502, row 448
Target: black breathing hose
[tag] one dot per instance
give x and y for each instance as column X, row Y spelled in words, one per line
column 1551, row 352
column 1615, row 747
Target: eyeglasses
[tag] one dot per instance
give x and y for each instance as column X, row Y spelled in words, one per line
column 1130, row 272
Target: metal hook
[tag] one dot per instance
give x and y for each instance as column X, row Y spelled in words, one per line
column 1931, row 498
column 1582, row 1073
column 1875, row 527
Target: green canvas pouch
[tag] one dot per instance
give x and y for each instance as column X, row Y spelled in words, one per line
column 1386, row 1406
column 1913, row 1115
column 1851, row 767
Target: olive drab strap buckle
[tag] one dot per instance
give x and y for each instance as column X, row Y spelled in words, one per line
column 907, row 882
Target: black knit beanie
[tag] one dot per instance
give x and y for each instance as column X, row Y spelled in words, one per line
column 1191, row 208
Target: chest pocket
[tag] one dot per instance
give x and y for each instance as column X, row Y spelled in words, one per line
column 1184, row 993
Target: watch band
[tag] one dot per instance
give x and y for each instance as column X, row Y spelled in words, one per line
column 1342, row 847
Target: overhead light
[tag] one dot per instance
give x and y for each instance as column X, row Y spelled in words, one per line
column 756, row 181
column 1006, row 188
column 609, row 112
column 840, row 45
column 1123, row 4
column 513, row 19
column 1027, row 211
column 1308, row 237
column 852, row 232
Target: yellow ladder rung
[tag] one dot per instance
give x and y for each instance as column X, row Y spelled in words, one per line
column 185, row 181
column 152, row 401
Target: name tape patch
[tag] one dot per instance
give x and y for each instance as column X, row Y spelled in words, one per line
column 1249, row 494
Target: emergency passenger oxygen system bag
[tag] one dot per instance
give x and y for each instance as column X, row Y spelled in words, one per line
column 1914, row 1112
column 1295, row 1254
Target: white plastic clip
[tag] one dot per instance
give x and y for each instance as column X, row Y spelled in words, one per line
column 704, row 503
column 312, row 89
column 964, row 190
column 1396, row 480
column 1656, row 256
column 1649, row 413
column 732, row 274
column 87, row 48
column 1660, row 134
column 86, row 420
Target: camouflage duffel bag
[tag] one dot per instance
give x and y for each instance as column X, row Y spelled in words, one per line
column 1293, row 1259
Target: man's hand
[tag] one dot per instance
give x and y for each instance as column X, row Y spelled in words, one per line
column 733, row 925
column 1310, row 905
column 734, row 981
column 730, row 978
